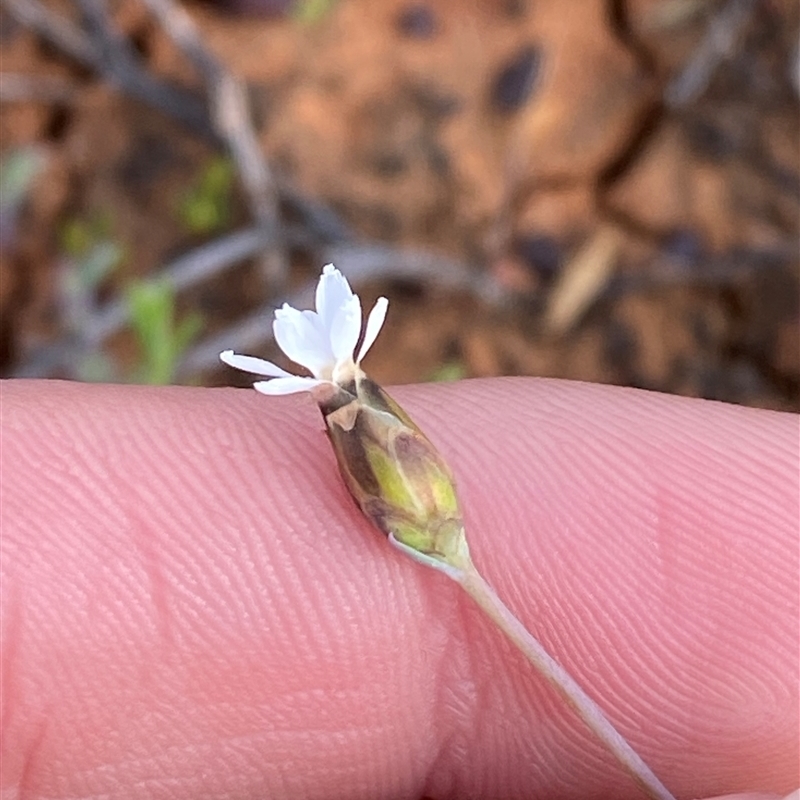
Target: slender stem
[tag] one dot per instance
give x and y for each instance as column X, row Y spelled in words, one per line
column 486, row 597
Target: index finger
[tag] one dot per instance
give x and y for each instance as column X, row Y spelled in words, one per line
column 193, row 604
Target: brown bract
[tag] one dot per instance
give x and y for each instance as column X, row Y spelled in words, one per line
column 398, row 478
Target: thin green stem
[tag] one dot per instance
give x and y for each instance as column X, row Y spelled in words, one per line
column 458, row 566
column 486, row 597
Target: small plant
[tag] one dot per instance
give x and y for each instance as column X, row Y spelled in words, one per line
column 206, row 207
column 162, row 339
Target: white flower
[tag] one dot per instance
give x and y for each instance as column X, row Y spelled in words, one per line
column 322, row 341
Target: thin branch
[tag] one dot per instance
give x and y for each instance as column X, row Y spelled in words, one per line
column 359, row 264
column 119, row 64
column 249, row 334
column 318, row 217
column 363, row 262
column 717, row 44
column 175, row 103
column 723, row 270
column 195, row 267
column 201, row 264
column 56, row 29
column 232, row 118
column 102, row 57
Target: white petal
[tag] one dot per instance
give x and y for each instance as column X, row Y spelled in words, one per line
column 289, row 385
column 346, row 329
column 255, row 365
column 333, row 291
column 313, row 319
column 374, row 324
column 301, row 339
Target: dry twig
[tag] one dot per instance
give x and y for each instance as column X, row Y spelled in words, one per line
column 106, row 53
column 176, row 104
column 232, row 119
column 98, row 325
column 720, row 38
column 56, row 29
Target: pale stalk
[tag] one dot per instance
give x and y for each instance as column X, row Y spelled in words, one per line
column 473, row 583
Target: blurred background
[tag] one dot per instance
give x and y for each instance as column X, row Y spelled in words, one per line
column 601, row 190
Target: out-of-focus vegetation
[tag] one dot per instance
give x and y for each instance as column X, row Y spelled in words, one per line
column 206, row 207
column 91, row 255
column 162, row 337
column 309, row 12
column 609, row 197
column 18, row 170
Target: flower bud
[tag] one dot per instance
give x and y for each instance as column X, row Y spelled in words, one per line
column 397, row 477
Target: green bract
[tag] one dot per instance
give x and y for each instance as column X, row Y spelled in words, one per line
column 398, row 478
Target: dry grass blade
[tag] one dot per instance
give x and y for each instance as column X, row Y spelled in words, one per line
column 583, row 280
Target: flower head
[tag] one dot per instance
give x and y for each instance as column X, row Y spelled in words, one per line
column 400, row 481
column 322, row 341
column 397, row 477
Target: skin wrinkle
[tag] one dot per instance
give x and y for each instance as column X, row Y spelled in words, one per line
column 624, row 425
column 422, row 599
column 92, row 634
column 454, row 709
column 31, row 758
column 157, row 587
column 12, row 627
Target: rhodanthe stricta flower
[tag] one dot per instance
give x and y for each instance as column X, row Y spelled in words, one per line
column 322, row 341
column 397, row 477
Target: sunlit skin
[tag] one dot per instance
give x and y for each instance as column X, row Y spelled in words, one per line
column 193, row 606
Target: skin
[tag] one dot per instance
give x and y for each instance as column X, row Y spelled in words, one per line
column 192, row 605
